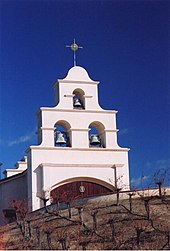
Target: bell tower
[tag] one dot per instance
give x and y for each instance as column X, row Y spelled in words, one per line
column 76, row 97
column 77, row 144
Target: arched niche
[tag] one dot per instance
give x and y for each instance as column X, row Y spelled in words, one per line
column 97, row 134
column 78, row 99
column 62, row 137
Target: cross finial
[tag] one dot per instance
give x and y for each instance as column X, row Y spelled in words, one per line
column 74, row 47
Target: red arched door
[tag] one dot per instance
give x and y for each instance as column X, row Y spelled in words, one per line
column 78, row 189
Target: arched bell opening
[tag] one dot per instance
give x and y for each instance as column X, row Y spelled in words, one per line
column 96, row 135
column 79, row 189
column 62, row 134
column 78, row 99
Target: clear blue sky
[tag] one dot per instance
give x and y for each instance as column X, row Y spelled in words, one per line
column 125, row 47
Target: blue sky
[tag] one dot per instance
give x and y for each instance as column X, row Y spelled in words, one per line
column 125, row 47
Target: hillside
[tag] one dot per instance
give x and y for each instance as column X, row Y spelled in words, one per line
column 141, row 222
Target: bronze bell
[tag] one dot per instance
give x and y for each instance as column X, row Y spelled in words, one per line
column 94, row 140
column 60, row 138
column 77, row 102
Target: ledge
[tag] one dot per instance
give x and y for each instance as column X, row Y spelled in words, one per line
column 113, row 166
column 78, row 82
column 53, row 109
column 77, row 149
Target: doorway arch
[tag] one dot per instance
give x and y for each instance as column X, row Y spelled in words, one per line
column 80, row 188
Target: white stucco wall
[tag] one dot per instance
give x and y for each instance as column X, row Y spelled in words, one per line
column 12, row 188
column 51, row 166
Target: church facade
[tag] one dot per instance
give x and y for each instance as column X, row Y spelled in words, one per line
column 77, row 152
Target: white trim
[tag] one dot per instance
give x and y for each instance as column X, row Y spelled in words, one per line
column 39, row 147
column 46, row 128
column 15, row 170
column 74, row 129
column 82, row 165
column 77, row 82
column 74, row 110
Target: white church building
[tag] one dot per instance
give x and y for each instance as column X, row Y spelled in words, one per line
column 77, row 151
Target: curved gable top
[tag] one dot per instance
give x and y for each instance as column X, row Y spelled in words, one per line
column 78, row 73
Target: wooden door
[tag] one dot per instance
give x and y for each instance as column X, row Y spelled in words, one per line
column 78, row 189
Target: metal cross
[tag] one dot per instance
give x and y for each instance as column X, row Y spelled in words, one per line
column 74, row 47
